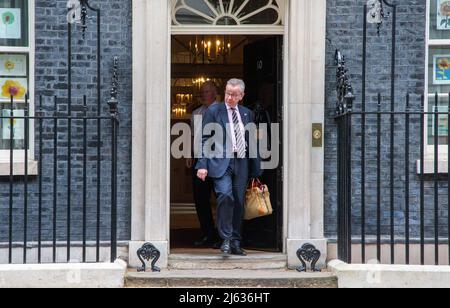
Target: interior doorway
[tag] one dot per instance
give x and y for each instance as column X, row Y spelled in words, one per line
column 197, row 59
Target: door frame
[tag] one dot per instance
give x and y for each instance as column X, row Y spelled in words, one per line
column 244, row 31
column 248, row 30
column 304, row 104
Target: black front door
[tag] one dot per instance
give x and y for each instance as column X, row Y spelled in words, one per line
column 263, row 71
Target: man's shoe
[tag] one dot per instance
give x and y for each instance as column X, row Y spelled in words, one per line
column 237, row 250
column 226, row 248
column 205, row 242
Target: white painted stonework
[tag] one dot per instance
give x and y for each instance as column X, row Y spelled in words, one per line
column 304, row 88
column 100, row 275
column 304, row 164
column 19, row 168
column 151, row 112
column 390, row 276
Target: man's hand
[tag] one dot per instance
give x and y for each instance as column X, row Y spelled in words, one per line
column 202, row 174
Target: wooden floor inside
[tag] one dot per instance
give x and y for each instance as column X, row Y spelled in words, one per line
column 182, row 241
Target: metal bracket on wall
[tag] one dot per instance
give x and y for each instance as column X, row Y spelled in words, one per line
column 317, row 135
column 78, row 13
column 308, row 253
column 147, row 252
column 377, row 13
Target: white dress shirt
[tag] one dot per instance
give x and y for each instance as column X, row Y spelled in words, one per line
column 241, row 125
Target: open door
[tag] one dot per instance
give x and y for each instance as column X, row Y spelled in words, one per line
column 258, row 60
column 263, row 75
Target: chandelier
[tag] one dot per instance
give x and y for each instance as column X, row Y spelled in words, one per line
column 179, row 108
column 208, row 50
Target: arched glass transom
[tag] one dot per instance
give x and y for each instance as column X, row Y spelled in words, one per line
column 227, row 12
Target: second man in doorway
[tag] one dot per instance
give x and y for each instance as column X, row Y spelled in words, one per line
column 203, row 189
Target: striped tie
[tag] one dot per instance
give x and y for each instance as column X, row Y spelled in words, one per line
column 240, row 140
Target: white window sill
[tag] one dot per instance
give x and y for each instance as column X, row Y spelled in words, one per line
column 19, row 168
column 429, row 166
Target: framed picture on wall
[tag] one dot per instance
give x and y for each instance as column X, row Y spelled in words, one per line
column 443, row 15
column 441, row 69
column 17, row 87
column 13, row 65
column 10, row 23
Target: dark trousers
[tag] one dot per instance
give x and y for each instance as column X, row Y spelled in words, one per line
column 230, row 190
column 202, row 199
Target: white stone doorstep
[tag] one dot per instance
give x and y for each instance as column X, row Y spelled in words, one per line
column 71, row 275
column 390, row 276
column 19, row 168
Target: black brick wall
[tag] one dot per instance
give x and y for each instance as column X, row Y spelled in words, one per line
column 51, row 79
column 344, row 31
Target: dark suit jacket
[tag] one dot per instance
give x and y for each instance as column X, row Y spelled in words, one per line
column 217, row 166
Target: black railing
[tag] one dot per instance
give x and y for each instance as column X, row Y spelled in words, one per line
column 49, row 192
column 393, row 182
column 65, row 208
column 343, row 109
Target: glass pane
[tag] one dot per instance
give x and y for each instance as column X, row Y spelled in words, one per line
column 13, row 82
column 440, row 105
column 268, row 16
column 14, row 23
column 188, row 17
column 439, row 69
column 438, row 82
column 227, row 12
column 18, row 125
column 202, row 6
column 13, row 76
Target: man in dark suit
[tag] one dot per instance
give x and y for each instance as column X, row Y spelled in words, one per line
column 229, row 162
column 203, row 189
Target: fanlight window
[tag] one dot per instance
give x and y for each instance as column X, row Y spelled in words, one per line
column 227, row 12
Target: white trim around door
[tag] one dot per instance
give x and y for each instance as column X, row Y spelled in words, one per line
column 304, row 97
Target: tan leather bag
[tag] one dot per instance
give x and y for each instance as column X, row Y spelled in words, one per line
column 257, row 201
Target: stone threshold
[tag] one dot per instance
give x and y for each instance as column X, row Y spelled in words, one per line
column 253, row 261
column 230, row 279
